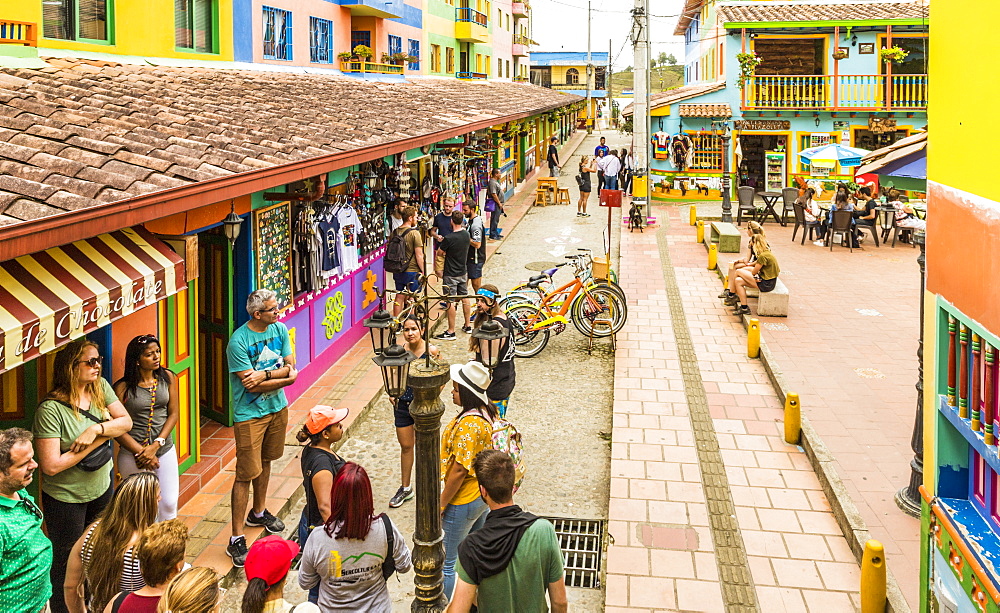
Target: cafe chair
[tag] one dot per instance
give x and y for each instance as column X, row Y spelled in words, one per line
column 808, row 227
column 841, row 225
column 870, row 229
column 744, row 196
column 904, row 234
column 788, row 197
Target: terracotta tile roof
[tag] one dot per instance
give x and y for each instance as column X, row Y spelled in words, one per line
column 84, row 132
column 677, row 94
column 704, row 110
column 803, row 10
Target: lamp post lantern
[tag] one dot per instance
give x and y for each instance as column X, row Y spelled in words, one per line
column 727, row 205
column 382, row 328
column 232, row 224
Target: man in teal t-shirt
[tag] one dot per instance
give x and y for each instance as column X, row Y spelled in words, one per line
column 261, row 363
column 25, row 552
column 514, row 559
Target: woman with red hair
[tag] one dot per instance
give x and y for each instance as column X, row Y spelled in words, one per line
column 349, row 557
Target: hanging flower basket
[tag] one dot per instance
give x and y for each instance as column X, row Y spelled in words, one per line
column 892, row 54
column 748, row 66
column 839, row 54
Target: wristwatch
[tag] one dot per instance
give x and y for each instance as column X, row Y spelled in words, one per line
column 161, row 441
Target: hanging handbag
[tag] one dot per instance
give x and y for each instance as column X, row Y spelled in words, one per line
column 100, row 456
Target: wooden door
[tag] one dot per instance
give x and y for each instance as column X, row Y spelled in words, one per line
column 215, row 326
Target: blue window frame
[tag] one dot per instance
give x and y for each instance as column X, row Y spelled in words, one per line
column 277, row 34
column 320, row 40
column 395, row 44
column 361, row 37
column 415, row 52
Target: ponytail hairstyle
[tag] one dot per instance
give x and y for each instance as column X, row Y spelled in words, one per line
column 482, row 317
column 759, row 243
column 304, row 435
column 255, row 594
column 755, row 228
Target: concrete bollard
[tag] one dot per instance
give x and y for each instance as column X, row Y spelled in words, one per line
column 793, row 419
column 713, row 256
column 753, row 339
column 700, row 235
column 873, row 595
column 693, row 210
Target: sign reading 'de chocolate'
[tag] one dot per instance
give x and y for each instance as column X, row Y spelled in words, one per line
column 762, row 124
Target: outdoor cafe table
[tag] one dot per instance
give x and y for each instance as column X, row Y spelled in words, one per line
column 770, row 199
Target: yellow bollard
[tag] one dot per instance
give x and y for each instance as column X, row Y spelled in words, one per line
column 873, row 578
column 753, row 339
column 713, row 256
column 700, row 231
column 694, row 213
column 793, row 419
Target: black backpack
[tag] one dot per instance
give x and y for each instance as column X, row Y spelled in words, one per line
column 395, row 252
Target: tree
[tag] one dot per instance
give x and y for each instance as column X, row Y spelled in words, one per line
column 671, row 60
column 652, row 62
column 661, row 59
column 629, row 69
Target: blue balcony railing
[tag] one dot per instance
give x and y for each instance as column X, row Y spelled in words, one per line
column 471, row 15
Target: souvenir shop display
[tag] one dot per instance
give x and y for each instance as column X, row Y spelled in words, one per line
column 272, row 234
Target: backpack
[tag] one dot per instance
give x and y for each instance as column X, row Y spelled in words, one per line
column 507, row 439
column 395, row 252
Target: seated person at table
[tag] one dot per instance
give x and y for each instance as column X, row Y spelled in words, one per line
column 907, row 218
column 763, row 275
column 841, row 202
column 809, row 205
column 753, row 229
column 864, row 211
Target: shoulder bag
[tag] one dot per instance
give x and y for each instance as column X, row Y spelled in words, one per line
column 100, row 456
column 389, row 563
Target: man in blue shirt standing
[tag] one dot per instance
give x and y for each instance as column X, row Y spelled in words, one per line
column 261, row 363
column 24, row 549
column 601, row 149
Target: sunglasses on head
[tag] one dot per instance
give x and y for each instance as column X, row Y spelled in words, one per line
column 145, row 339
column 94, row 362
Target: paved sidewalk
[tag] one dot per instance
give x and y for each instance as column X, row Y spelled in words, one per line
column 702, row 481
column 848, row 348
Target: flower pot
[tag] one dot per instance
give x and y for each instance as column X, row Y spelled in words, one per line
column 839, row 55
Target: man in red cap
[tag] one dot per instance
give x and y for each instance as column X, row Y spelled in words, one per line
column 267, row 567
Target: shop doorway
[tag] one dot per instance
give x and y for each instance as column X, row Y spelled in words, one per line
column 764, row 165
column 463, row 61
column 866, row 139
column 215, row 325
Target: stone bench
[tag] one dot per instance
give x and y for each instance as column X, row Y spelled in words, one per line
column 773, row 303
column 725, row 235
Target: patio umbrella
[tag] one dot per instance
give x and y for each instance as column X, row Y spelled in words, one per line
column 825, row 156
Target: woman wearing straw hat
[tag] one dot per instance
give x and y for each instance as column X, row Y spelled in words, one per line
column 471, row 431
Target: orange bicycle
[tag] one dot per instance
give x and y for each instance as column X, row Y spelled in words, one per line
column 585, row 304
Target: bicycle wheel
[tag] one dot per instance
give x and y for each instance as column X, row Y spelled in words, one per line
column 611, row 285
column 508, row 302
column 591, row 303
column 527, row 343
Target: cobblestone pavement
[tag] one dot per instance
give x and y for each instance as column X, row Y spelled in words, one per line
column 710, row 510
column 561, row 404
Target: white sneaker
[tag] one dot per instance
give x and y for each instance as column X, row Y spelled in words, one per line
column 819, row 243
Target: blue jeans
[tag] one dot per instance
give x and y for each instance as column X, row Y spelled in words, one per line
column 495, row 223
column 458, row 521
column 406, row 280
column 610, row 181
column 304, row 531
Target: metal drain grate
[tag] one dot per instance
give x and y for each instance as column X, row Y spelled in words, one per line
column 581, row 541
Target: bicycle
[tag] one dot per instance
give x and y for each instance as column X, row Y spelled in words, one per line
column 537, row 287
column 532, row 324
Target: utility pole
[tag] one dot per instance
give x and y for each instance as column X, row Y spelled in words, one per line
column 640, row 102
column 607, row 85
column 590, row 78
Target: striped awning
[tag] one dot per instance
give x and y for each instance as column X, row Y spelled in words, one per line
column 51, row 297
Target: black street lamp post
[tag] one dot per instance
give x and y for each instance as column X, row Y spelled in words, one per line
column 727, row 206
column 401, row 369
column 908, row 498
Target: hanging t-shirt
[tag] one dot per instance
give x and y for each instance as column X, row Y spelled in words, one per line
column 328, row 232
column 347, row 239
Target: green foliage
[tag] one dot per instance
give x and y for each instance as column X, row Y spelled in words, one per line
column 892, row 54
column 748, row 65
column 671, row 60
column 363, row 51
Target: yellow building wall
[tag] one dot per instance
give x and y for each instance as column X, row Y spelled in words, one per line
column 139, row 27
column 559, row 74
column 963, row 96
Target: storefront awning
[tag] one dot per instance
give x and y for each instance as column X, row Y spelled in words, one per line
column 51, row 297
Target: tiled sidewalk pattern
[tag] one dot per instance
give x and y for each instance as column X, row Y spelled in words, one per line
column 663, row 557
column 352, row 382
column 848, row 348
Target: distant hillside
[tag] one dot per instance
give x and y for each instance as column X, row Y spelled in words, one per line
column 661, row 79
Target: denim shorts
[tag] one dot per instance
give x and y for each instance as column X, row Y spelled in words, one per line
column 475, row 270
column 406, row 280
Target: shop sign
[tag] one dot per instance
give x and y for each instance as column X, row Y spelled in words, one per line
column 762, row 124
column 368, row 283
column 881, row 125
column 331, row 316
column 62, row 326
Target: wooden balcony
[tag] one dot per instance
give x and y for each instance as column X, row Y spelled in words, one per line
column 471, row 75
column 18, row 33
column 836, row 92
column 371, row 67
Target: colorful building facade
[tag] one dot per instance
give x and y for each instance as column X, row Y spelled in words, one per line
column 960, row 561
column 567, row 71
column 820, row 79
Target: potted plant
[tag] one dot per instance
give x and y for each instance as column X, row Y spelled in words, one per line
column 839, row 54
column 386, row 58
column 363, row 52
column 748, row 65
column 892, row 54
column 344, row 56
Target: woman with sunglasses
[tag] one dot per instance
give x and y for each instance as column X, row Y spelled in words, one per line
column 502, row 385
column 149, row 393
column 79, row 416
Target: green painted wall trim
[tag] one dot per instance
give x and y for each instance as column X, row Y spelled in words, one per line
column 925, row 526
column 827, row 23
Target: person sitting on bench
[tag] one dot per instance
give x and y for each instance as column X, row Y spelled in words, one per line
column 753, row 229
column 763, row 276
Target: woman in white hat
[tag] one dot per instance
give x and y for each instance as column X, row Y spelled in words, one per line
column 471, row 431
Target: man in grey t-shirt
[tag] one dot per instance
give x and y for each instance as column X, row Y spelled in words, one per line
column 494, row 204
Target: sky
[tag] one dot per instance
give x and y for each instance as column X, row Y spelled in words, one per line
column 561, row 25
